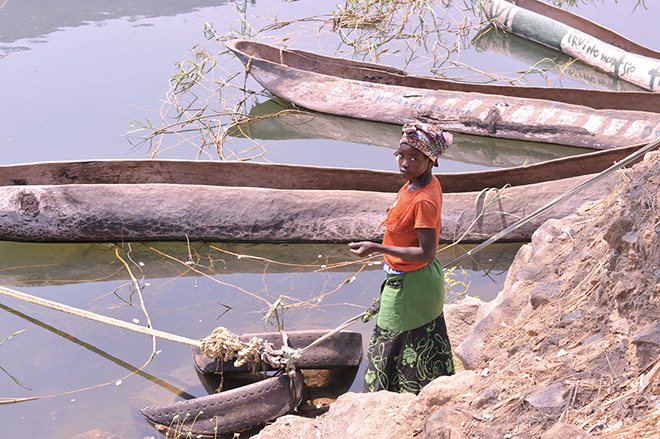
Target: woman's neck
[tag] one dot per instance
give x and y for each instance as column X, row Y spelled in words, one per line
column 420, row 181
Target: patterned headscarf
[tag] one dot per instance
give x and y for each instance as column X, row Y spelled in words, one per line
column 426, row 138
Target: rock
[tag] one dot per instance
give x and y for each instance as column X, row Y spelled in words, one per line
column 519, row 262
column 614, row 362
column 444, row 424
column 441, row 391
column 617, row 230
column 513, row 305
column 374, row 415
column 550, row 399
column 291, row 427
column 544, row 293
column 462, row 316
column 620, row 326
column 369, row 415
column 564, row 431
column 487, row 397
column 571, row 315
column 647, row 344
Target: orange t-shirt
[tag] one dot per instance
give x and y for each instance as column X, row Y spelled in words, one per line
column 416, row 209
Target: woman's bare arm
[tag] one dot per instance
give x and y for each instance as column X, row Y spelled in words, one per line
column 425, row 252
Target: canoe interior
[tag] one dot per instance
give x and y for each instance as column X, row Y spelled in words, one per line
column 366, row 72
column 291, row 177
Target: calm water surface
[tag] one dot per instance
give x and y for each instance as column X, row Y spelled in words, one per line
column 73, row 74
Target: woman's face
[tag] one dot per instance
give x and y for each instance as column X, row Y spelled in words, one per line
column 413, row 163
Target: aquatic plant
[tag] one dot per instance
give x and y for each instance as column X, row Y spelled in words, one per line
column 14, row 379
column 208, row 103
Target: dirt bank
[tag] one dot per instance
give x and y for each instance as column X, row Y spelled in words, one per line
column 570, row 348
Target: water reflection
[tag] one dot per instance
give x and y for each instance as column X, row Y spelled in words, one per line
column 42, row 265
column 129, row 367
column 25, row 19
column 275, row 119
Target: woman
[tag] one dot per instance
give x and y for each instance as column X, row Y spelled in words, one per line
column 409, row 346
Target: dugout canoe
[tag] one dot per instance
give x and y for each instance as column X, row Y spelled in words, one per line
column 575, row 117
column 331, row 365
column 172, row 200
column 578, row 38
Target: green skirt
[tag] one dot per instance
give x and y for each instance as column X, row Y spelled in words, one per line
column 409, row 346
column 406, row 361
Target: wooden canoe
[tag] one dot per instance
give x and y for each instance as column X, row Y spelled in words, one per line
column 170, row 200
column 575, row 117
column 578, row 38
column 534, row 54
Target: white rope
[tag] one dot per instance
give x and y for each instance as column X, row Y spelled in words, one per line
column 97, row 317
column 565, row 196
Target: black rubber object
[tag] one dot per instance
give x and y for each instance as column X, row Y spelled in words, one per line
column 340, row 350
column 230, row 411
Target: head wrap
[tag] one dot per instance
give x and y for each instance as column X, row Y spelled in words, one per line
column 426, row 138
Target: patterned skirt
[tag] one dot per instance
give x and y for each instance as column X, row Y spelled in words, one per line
column 406, row 361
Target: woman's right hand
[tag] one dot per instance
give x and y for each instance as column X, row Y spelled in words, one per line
column 362, row 248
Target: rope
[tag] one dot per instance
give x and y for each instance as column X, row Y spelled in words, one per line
column 224, row 344
column 598, row 177
column 97, row 317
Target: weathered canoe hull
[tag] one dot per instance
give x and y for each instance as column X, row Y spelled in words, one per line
column 293, row 177
column 366, row 91
column 171, row 200
column 148, row 212
column 578, row 38
column 534, row 54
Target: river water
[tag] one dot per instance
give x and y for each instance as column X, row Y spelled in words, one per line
column 74, row 74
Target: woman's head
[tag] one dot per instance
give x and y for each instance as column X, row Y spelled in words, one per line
column 427, row 139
